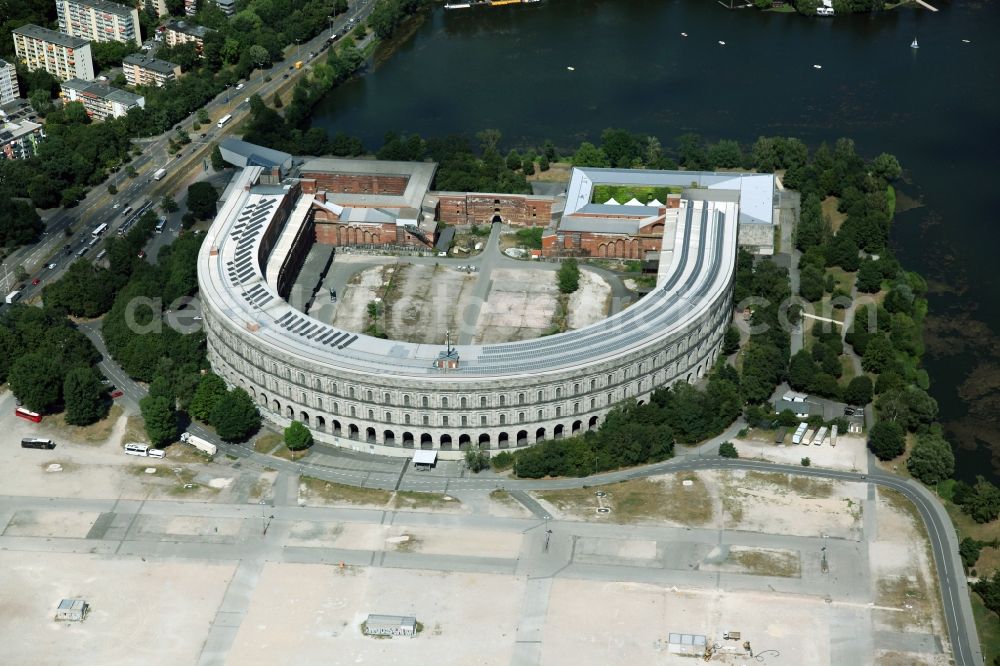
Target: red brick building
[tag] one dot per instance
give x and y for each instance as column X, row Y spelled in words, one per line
column 521, row 210
column 631, row 231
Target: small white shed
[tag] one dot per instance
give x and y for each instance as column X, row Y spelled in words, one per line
column 72, row 610
column 424, row 459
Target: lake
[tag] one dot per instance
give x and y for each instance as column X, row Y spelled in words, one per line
column 937, row 108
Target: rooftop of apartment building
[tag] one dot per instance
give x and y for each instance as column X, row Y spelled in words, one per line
column 188, row 28
column 150, row 63
column 44, row 34
column 103, row 91
column 103, row 6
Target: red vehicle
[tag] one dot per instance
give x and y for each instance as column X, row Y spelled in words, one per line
column 28, row 414
column 36, row 281
column 116, row 392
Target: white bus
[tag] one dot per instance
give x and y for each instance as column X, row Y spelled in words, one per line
column 223, row 120
column 160, row 173
column 99, row 230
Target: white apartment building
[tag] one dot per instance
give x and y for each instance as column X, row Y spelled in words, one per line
column 101, row 100
column 8, row 83
column 62, row 56
column 99, row 20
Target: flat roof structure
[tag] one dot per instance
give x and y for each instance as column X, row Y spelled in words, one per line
column 242, row 154
column 425, row 457
column 150, row 63
column 51, row 36
column 419, row 176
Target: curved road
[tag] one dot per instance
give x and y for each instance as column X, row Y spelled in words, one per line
column 955, row 601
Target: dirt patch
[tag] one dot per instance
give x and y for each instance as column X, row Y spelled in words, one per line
column 521, row 305
column 352, row 305
column 590, row 303
column 409, row 500
column 850, row 453
column 766, row 561
column 62, row 524
column 830, row 212
column 267, row 442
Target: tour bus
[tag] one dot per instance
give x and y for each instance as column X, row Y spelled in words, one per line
column 134, row 449
column 160, row 173
column 223, row 120
column 125, row 213
column 27, row 414
column 13, row 296
column 160, row 224
column 37, row 443
column 99, row 230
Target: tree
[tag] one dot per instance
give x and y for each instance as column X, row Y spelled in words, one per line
column 801, row 370
column 568, row 276
column 160, row 419
column 36, row 379
column 298, row 437
column 211, row 389
column 19, row 223
column 276, row 101
column 589, row 155
column 731, row 341
column 82, row 397
column 218, row 163
column 968, row 550
column 476, row 459
column 869, row 277
column 982, row 501
column 878, row 353
column 811, row 285
column 886, row 440
column 886, row 166
column 931, row 459
column 258, row 55
column 235, row 416
column 858, row 391
column 805, row 462
column 168, row 205
column 728, row 450
column 201, row 200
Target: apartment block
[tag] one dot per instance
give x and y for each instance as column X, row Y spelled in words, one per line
column 62, row 56
column 182, row 32
column 101, row 100
column 99, row 20
column 8, row 83
column 190, row 7
column 18, row 140
column 228, row 7
column 144, row 70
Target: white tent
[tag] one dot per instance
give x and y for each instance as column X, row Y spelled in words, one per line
column 655, row 203
column 425, row 457
column 633, row 202
column 611, row 202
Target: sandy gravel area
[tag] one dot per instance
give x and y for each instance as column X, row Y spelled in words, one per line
column 592, row 622
column 141, row 612
column 851, row 452
column 521, row 305
column 352, row 305
column 66, row 524
column 312, row 614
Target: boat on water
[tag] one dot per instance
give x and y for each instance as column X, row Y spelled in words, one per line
column 818, row 66
column 913, row 44
column 488, row 3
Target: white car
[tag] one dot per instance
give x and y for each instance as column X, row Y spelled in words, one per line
column 117, row 205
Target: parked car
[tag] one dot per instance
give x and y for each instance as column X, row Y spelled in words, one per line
column 116, row 392
column 36, row 281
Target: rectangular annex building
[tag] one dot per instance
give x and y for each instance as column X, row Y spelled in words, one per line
column 391, row 625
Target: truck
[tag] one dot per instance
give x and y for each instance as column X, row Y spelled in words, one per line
column 160, row 173
column 12, row 297
column 801, row 430
column 298, row 64
column 199, row 443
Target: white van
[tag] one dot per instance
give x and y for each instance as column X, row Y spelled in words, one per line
column 135, row 449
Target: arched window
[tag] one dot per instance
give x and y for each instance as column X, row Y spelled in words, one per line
column 503, row 400
column 426, row 419
column 406, row 400
column 558, row 410
column 406, row 419
column 388, row 417
column 520, row 417
column 464, row 403
column 371, row 415
column 558, row 392
column 354, row 412
column 387, row 398
column 503, row 419
column 423, row 401
column 576, row 408
column 540, row 415
column 444, row 401
column 593, row 384
column 444, row 420
column 576, row 388
column 368, row 396
column 465, row 420
column 541, row 396
column 350, row 392
column 520, row 398
column 482, row 401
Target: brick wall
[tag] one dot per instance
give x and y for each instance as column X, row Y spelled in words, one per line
column 514, row 209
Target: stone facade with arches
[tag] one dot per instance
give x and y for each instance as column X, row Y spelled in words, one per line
column 391, row 397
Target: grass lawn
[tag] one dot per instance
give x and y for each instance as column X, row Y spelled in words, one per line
column 829, row 208
column 988, row 628
column 623, row 193
column 338, row 492
column 639, row 499
column 409, row 499
column 845, row 279
column 267, row 442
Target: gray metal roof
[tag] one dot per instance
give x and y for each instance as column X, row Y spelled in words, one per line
column 150, row 63
column 108, row 7
column 103, row 91
column 60, row 38
column 243, row 153
column 604, row 225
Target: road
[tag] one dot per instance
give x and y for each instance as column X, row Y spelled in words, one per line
column 98, row 206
